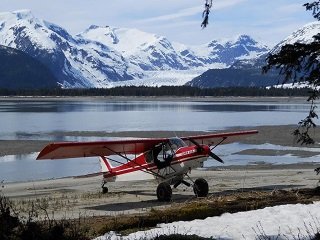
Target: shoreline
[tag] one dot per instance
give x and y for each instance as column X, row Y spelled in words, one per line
column 158, row 98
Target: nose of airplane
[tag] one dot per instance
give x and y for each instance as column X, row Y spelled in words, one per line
column 211, row 154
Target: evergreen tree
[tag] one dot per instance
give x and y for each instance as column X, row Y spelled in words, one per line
column 205, row 14
column 300, row 63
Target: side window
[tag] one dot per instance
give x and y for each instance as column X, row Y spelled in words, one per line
column 149, row 156
column 163, row 155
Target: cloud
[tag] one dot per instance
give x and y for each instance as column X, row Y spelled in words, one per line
column 226, row 4
column 191, row 11
column 180, row 14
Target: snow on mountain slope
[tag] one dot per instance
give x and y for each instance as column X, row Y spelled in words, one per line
column 148, row 51
column 18, row 22
column 223, row 52
column 302, row 35
column 124, row 40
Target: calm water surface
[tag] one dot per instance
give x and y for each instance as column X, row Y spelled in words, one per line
column 19, row 119
column 36, row 119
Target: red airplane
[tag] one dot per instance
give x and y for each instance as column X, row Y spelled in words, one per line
column 167, row 160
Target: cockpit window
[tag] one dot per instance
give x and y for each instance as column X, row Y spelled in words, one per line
column 176, row 143
column 163, row 153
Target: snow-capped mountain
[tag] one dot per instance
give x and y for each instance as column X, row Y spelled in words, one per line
column 146, row 50
column 74, row 61
column 248, row 72
column 224, row 52
column 153, row 52
column 106, row 56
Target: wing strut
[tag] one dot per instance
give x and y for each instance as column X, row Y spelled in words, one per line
column 142, row 170
column 132, row 161
column 223, row 139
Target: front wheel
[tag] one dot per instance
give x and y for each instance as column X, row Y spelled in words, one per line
column 200, row 187
column 164, row 192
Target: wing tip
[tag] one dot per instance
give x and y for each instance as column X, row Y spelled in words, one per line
column 45, row 151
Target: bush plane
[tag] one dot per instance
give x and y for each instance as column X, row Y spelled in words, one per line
column 167, row 160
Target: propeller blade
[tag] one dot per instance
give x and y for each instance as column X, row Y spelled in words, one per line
column 211, row 154
column 215, row 157
column 200, row 148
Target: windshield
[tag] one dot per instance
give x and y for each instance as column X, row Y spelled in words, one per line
column 176, row 143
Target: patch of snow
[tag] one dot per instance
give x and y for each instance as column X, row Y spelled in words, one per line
column 292, row 86
column 298, row 221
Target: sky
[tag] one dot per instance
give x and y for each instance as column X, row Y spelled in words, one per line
column 267, row 21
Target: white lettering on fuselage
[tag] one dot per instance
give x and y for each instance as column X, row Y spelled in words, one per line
column 186, row 153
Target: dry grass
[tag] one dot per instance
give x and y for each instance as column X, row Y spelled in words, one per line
column 201, row 209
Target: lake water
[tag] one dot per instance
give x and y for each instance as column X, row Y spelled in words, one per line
column 37, row 119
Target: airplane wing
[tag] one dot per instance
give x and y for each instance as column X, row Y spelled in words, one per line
column 61, row 150
column 218, row 138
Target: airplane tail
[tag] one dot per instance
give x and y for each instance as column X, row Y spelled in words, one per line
column 105, row 165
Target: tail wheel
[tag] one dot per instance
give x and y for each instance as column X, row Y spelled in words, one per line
column 164, row 192
column 200, row 187
column 105, row 190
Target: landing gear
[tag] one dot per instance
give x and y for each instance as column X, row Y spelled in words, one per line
column 200, row 187
column 164, row 192
column 105, row 190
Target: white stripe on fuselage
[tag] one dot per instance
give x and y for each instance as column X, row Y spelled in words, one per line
column 178, row 168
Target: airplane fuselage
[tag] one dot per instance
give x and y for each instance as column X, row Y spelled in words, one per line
column 161, row 166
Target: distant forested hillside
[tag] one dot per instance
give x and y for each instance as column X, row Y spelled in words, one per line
column 20, row 71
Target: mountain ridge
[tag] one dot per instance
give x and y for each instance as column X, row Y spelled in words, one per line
column 96, row 58
column 248, row 72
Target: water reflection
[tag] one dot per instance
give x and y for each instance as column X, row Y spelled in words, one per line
column 26, row 119
column 26, row 168
column 107, row 106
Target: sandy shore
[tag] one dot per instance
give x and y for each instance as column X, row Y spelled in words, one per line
column 73, row 196
column 69, row 197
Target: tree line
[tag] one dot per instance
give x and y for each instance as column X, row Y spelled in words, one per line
column 144, row 91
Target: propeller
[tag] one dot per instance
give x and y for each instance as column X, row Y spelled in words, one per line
column 211, row 154
column 215, row 157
